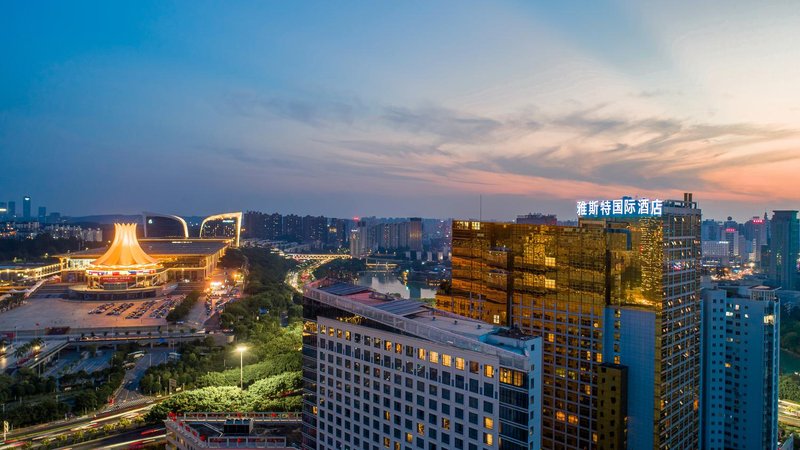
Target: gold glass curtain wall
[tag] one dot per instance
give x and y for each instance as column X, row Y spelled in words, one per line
column 556, row 281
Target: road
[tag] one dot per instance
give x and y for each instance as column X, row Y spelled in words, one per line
column 128, row 439
column 129, row 390
column 293, row 277
column 53, row 429
column 789, row 413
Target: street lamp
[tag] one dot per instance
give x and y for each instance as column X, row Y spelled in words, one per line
column 241, row 350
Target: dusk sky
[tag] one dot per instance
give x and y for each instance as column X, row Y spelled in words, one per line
column 401, row 108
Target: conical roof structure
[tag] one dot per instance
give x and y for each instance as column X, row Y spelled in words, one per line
column 124, row 251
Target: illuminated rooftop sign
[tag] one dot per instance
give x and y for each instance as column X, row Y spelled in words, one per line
column 623, row 207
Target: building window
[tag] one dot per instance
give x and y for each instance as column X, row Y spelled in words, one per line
column 488, row 371
column 447, row 360
column 434, row 357
column 421, row 353
column 488, row 439
column 460, row 363
column 488, row 423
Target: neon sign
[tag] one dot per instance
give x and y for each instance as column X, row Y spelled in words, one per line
column 622, row 207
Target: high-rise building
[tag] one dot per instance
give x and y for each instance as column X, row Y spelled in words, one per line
column 26, row 207
column 42, row 214
column 740, row 368
column 315, row 230
column 253, row 225
column 537, row 219
column 755, row 230
column 12, row 209
column 415, row 234
column 293, row 227
column 383, row 372
column 3, row 209
column 784, row 248
column 711, row 230
column 616, row 298
column 359, row 245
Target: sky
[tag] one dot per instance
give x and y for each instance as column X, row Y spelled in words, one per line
column 405, row 108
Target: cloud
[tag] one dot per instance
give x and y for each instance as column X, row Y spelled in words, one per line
column 448, row 125
column 319, row 111
column 587, row 148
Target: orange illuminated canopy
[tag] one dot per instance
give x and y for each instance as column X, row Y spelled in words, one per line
column 125, row 251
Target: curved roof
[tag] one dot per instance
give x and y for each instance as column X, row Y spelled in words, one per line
column 124, row 250
column 178, row 219
column 237, row 216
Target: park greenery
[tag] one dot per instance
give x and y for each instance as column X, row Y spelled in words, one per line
column 30, row 398
column 208, row 375
column 184, row 307
column 11, row 301
column 346, row 269
column 789, row 384
column 275, row 393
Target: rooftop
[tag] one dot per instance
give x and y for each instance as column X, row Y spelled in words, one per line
column 423, row 320
column 162, row 248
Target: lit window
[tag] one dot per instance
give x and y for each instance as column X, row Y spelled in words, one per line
column 347, row 335
column 488, row 423
column 409, row 437
column 460, row 363
column 573, row 419
column 421, row 428
column 421, row 353
column 445, row 423
column 386, row 442
column 488, row 371
column 550, row 284
column 387, row 345
column 434, row 357
column 398, row 348
column 488, row 439
column 560, row 416
column 447, row 360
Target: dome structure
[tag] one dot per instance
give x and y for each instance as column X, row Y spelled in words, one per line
column 125, row 265
column 125, row 251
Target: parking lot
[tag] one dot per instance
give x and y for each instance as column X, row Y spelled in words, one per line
column 40, row 313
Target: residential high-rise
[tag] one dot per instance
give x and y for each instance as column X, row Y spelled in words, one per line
column 12, row 209
column 741, row 348
column 386, row 373
column 616, row 298
column 42, row 214
column 414, row 234
column 784, row 248
column 26, row 207
column 292, row 227
column 359, row 245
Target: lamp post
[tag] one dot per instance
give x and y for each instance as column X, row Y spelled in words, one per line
column 241, row 350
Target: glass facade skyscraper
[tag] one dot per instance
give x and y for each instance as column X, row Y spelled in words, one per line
column 616, row 299
column 784, row 248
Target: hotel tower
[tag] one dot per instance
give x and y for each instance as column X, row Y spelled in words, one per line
column 616, row 303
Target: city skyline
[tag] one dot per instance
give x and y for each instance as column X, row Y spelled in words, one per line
column 299, row 110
